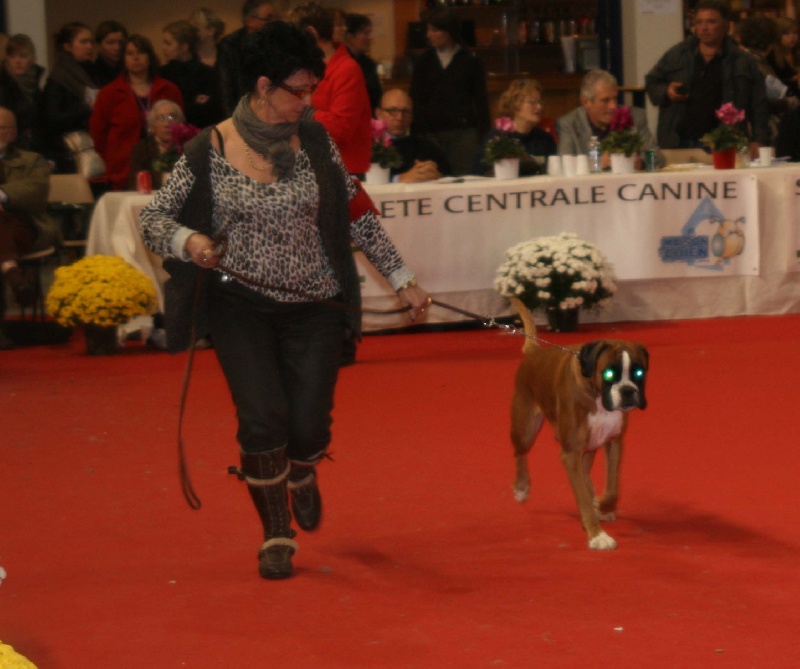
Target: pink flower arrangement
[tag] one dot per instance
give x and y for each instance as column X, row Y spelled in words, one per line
column 505, row 124
column 729, row 115
column 503, row 145
column 622, row 118
column 728, row 134
column 383, row 151
column 622, row 136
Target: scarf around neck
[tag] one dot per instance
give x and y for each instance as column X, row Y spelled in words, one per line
column 70, row 74
column 271, row 140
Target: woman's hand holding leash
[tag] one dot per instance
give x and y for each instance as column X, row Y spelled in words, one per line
column 203, row 250
column 415, row 298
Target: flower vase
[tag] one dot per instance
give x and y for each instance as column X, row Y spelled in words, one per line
column 506, row 168
column 377, row 174
column 100, row 339
column 563, row 320
column 622, row 164
column 724, row 160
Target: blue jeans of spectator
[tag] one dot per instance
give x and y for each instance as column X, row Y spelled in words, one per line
column 281, row 362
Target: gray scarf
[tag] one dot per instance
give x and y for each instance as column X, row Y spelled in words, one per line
column 270, row 140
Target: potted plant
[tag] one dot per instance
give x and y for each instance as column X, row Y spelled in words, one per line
column 621, row 141
column 165, row 162
column 385, row 155
column 560, row 274
column 504, row 152
column 100, row 293
column 727, row 138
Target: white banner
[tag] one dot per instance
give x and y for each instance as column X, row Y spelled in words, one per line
column 650, row 226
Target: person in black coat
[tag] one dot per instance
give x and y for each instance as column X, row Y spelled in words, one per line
column 448, row 88
column 197, row 82
column 110, row 37
column 358, row 39
column 70, row 92
column 20, row 90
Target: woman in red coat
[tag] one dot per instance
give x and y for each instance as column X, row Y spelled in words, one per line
column 119, row 118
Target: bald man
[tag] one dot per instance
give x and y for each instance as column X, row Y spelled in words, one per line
column 423, row 159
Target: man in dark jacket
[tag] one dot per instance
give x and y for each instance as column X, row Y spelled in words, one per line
column 696, row 77
column 24, row 223
column 255, row 14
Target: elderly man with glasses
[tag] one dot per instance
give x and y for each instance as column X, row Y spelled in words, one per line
column 423, row 159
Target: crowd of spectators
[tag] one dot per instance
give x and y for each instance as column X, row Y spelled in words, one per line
column 105, row 81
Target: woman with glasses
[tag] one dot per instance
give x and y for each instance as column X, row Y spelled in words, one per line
column 163, row 115
column 522, row 103
column 259, row 216
column 119, row 118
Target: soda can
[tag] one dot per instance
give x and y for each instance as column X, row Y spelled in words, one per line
column 650, row 160
column 144, row 182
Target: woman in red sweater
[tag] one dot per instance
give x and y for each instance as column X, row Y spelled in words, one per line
column 119, row 118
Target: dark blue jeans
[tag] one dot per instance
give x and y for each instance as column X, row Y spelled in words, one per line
column 281, row 361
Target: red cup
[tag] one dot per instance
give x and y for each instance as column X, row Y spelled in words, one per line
column 144, row 182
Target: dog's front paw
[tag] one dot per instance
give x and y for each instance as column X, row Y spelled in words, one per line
column 602, row 542
column 521, row 492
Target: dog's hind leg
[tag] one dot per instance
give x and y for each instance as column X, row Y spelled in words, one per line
column 526, row 421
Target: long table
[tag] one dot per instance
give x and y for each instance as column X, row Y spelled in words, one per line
column 664, row 232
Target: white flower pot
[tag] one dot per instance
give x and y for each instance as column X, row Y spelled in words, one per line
column 377, row 174
column 507, row 168
column 622, row 164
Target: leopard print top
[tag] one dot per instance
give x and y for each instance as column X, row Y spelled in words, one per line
column 271, row 229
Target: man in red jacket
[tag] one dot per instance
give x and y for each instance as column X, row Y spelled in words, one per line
column 341, row 100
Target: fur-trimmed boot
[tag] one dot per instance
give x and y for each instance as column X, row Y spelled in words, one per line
column 306, row 500
column 265, row 474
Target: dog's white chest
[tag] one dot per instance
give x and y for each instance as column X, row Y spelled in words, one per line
column 602, row 426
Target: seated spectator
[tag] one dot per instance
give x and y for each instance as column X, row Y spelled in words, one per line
column 24, row 223
column 423, row 159
column 210, row 29
column 197, row 82
column 599, row 92
column 341, row 101
column 522, row 103
column 358, row 40
column 20, row 91
column 144, row 158
column 110, row 37
column 69, row 93
column 119, row 119
column 783, row 54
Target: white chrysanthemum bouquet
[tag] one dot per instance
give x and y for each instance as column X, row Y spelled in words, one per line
column 556, row 273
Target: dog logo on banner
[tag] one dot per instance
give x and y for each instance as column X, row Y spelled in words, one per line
column 724, row 240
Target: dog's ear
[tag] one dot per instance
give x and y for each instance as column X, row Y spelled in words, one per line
column 588, row 356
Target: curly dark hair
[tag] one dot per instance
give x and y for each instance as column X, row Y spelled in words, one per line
column 277, row 51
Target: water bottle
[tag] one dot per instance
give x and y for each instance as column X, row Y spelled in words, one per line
column 594, row 155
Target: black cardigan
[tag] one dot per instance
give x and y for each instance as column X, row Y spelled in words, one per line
column 186, row 278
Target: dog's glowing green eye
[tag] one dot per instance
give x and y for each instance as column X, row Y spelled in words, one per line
column 609, row 375
column 638, row 373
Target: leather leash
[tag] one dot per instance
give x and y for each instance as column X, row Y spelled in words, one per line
column 186, row 481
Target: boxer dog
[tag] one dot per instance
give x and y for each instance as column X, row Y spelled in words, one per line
column 585, row 393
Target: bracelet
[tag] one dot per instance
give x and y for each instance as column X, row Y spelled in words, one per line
column 408, row 284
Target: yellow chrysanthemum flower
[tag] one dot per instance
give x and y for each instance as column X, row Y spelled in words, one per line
column 11, row 659
column 100, row 290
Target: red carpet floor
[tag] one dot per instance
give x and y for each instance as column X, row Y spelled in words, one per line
column 424, row 558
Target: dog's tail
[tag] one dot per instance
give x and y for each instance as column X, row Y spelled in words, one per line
column 527, row 321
